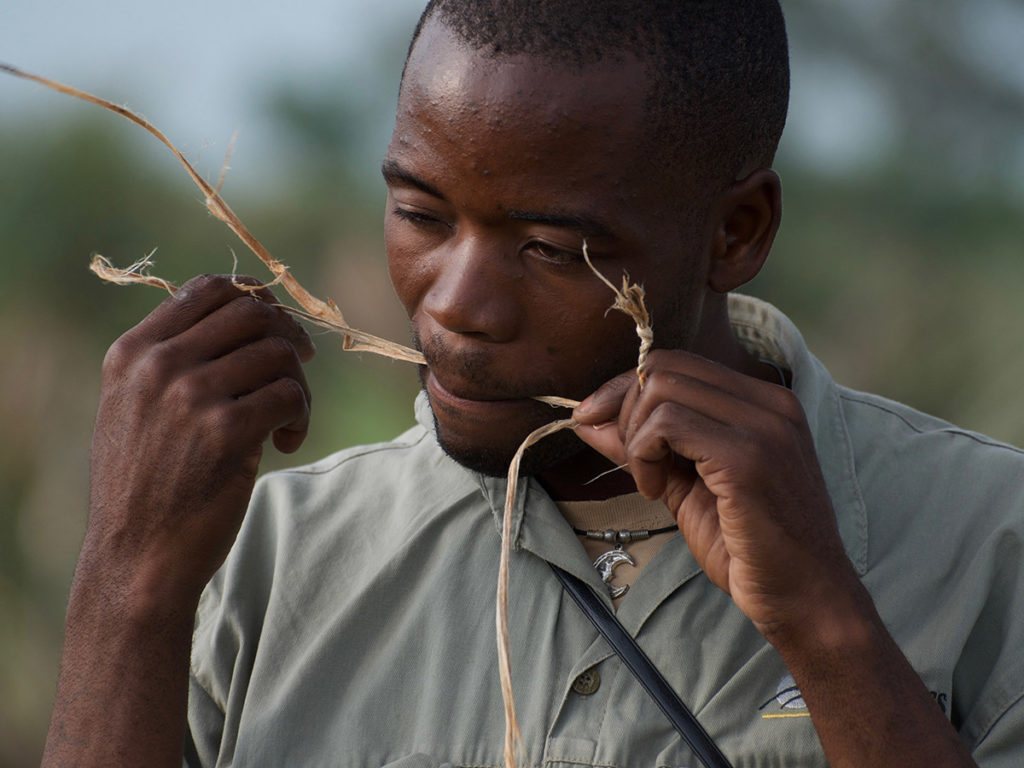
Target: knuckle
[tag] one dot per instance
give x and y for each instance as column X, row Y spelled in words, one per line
column 254, row 313
column 665, row 415
column 204, row 289
column 246, row 280
column 758, row 447
column 781, row 429
column 221, row 425
column 279, row 349
column 290, row 394
column 197, row 286
column 662, row 383
column 119, row 355
column 657, row 358
column 156, row 366
column 669, row 421
column 185, row 392
column 201, row 283
column 789, row 407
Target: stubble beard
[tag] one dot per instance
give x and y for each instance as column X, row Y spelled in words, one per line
column 493, row 458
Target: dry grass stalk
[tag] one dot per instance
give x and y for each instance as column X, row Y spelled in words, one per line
column 136, row 274
column 630, row 300
column 325, row 313
column 557, row 402
column 512, row 735
column 356, row 340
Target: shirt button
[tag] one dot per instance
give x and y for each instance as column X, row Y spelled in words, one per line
column 587, row 682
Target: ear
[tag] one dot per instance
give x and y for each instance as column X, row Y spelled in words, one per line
column 748, row 217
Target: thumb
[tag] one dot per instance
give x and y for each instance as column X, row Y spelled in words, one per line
column 603, row 438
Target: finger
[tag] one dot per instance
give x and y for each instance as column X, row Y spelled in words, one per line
column 656, row 452
column 280, row 409
column 719, row 405
column 289, row 440
column 293, row 329
column 203, row 297
column 196, row 299
column 605, row 440
column 253, row 366
column 718, row 377
column 604, row 404
column 239, row 322
column 701, row 421
column 609, row 407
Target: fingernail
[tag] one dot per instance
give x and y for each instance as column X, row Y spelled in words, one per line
column 583, row 407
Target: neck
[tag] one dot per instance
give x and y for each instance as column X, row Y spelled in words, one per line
column 586, row 476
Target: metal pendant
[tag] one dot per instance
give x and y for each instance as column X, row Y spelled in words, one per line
column 605, row 565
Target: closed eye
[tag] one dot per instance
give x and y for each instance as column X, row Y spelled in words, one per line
column 417, row 217
column 554, row 254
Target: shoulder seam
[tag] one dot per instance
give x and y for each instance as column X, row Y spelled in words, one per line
column 326, row 465
column 983, row 734
column 950, row 429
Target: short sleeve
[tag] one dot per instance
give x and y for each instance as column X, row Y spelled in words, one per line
column 205, row 727
column 1003, row 745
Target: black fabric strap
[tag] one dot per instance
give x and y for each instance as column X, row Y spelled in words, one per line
column 644, row 670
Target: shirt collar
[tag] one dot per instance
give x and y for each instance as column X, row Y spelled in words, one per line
column 768, row 333
column 547, row 534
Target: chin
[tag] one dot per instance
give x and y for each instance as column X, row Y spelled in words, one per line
column 492, row 453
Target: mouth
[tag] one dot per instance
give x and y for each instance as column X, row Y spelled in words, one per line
column 481, row 429
column 470, row 400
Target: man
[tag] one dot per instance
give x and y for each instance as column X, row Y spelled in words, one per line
column 845, row 581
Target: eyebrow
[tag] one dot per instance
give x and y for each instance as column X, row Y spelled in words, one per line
column 583, row 224
column 394, row 173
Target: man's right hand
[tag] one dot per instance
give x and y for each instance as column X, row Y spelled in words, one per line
column 189, row 396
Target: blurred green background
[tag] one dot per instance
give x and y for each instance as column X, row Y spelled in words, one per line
column 899, row 256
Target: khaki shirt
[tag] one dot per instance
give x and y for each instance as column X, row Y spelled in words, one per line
column 353, row 623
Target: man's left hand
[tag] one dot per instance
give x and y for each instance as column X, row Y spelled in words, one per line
column 733, row 458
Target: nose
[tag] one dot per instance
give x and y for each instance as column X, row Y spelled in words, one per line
column 476, row 290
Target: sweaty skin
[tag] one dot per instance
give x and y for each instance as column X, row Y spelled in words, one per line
column 496, row 174
column 497, row 170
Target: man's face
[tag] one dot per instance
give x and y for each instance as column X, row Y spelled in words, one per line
column 497, row 171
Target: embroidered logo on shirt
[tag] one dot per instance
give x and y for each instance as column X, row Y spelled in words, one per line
column 942, row 699
column 787, row 702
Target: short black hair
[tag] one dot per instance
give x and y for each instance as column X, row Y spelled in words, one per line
column 719, row 68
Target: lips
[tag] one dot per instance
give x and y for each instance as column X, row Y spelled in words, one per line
column 469, row 381
column 463, row 398
column 464, row 375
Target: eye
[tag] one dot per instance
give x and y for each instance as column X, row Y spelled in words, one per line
column 418, row 218
column 553, row 253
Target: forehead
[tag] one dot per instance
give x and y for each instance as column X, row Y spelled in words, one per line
column 452, row 73
column 523, row 114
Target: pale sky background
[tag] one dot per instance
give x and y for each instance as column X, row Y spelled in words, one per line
column 201, row 70
column 198, row 70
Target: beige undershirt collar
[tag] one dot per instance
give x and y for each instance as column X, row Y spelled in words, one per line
column 621, row 513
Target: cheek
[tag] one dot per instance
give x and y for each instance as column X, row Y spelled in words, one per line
column 584, row 342
column 677, row 310
column 408, row 265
